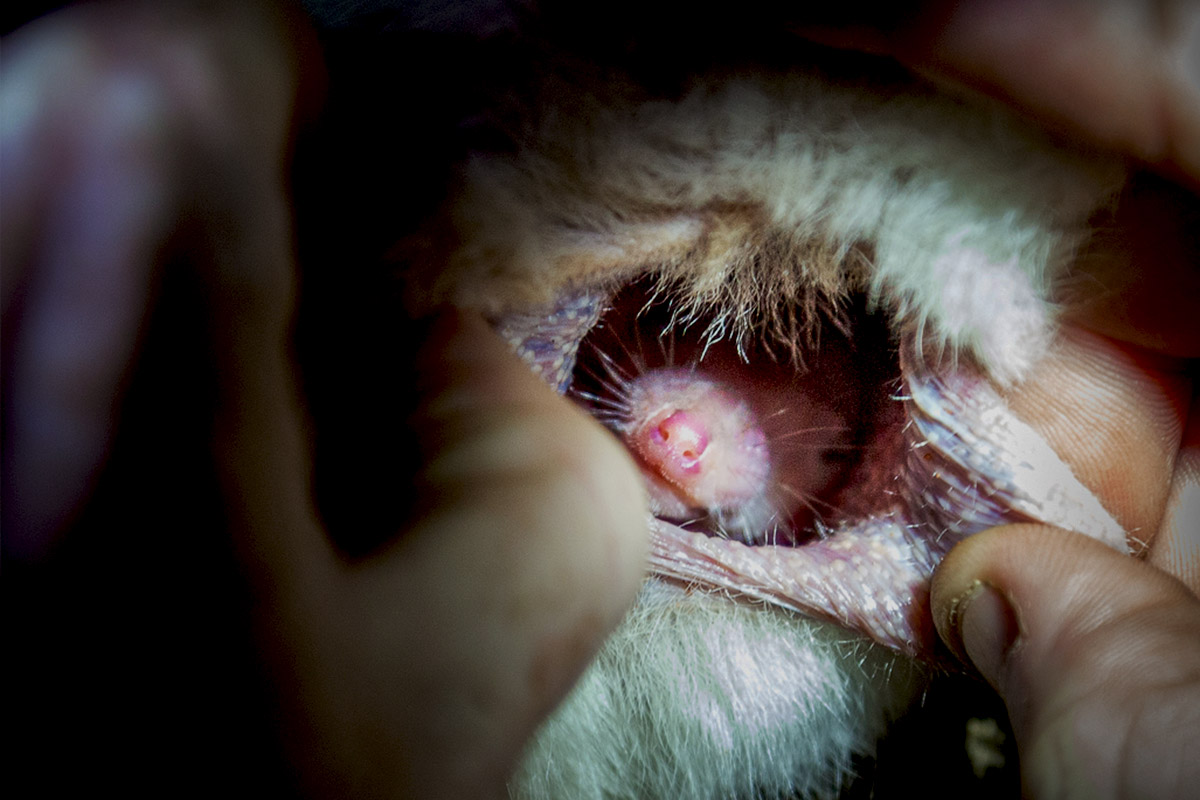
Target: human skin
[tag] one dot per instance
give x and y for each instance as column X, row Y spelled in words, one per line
column 506, row 461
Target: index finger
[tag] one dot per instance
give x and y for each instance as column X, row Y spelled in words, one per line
column 1123, row 74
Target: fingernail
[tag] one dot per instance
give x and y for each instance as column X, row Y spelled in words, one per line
column 986, row 627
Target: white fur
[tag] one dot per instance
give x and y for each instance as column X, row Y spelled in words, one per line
column 698, row 697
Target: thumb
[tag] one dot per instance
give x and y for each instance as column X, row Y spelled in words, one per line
column 1097, row 656
column 528, row 543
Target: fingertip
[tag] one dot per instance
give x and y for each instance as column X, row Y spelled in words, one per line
column 488, row 423
column 980, row 627
column 559, row 490
column 969, row 586
column 1096, row 654
column 1176, row 549
column 1056, row 582
column 528, row 546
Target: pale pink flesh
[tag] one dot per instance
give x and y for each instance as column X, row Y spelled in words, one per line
column 700, row 445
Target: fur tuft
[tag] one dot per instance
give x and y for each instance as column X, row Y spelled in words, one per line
column 764, row 198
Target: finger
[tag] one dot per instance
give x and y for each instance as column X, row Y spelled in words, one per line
column 260, row 431
column 1097, row 656
column 238, row 84
column 1177, row 548
column 112, row 115
column 531, row 546
column 1122, row 73
column 1115, row 415
column 1138, row 278
column 96, row 169
column 1126, row 73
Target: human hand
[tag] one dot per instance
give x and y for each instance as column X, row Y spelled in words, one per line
column 131, row 138
column 150, row 149
column 1096, row 654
